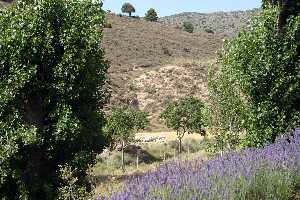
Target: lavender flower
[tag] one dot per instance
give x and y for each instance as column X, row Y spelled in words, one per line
column 247, row 174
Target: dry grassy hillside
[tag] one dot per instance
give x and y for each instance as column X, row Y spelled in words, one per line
column 3, row 3
column 152, row 63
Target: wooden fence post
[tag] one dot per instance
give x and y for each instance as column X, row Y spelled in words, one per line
column 137, row 159
column 174, row 153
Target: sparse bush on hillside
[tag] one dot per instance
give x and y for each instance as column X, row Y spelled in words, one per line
column 188, row 27
column 128, row 8
column 52, row 88
column 185, row 116
column 136, row 17
column 151, row 15
column 209, row 31
column 259, row 90
column 166, row 51
column 107, row 25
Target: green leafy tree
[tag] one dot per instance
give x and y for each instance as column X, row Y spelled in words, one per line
column 52, row 85
column 287, row 9
column 264, row 70
column 151, row 15
column 185, row 116
column 123, row 123
column 269, row 3
column 226, row 108
column 70, row 189
column 128, row 8
column 188, row 27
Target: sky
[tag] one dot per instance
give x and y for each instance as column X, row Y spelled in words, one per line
column 169, row 7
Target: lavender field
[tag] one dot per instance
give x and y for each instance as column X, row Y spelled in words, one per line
column 271, row 172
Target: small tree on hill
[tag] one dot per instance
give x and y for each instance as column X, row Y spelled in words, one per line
column 128, row 8
column 188, row 27
column 185, row 116
column 151, row 15
column 122, row 125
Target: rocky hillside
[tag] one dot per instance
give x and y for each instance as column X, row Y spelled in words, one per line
column 225, row 23
column 152, row 63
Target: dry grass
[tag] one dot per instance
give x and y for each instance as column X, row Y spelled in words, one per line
column 107, row 184
column 168, row 136
column 155, row 88
column 135, row 43
column 109, row 177
column 112, row 180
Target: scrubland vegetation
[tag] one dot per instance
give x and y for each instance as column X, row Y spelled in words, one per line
column 62, row 139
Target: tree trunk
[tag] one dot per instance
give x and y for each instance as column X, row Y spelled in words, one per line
column 33, row 110
column 180, row 145
column 180, row 135
column 123, row 163
column 129, row 14
column 283, row 16
column 174, row 154
column 137, row 160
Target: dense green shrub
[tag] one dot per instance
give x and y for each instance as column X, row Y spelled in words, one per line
column 51, row 86
column 151, row 15
column 292, row 7
column 258, row 81
column 188, row 27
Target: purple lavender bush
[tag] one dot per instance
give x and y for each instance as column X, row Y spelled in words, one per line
column 271, row 172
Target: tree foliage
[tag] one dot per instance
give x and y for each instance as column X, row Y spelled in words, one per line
column 287, row 9
column 123, row 123
column 128, row 8
column 51, row 86
column 259, row 71
column 185, row 116
column 151, row 15
column 226, row 109
column 188, row 27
